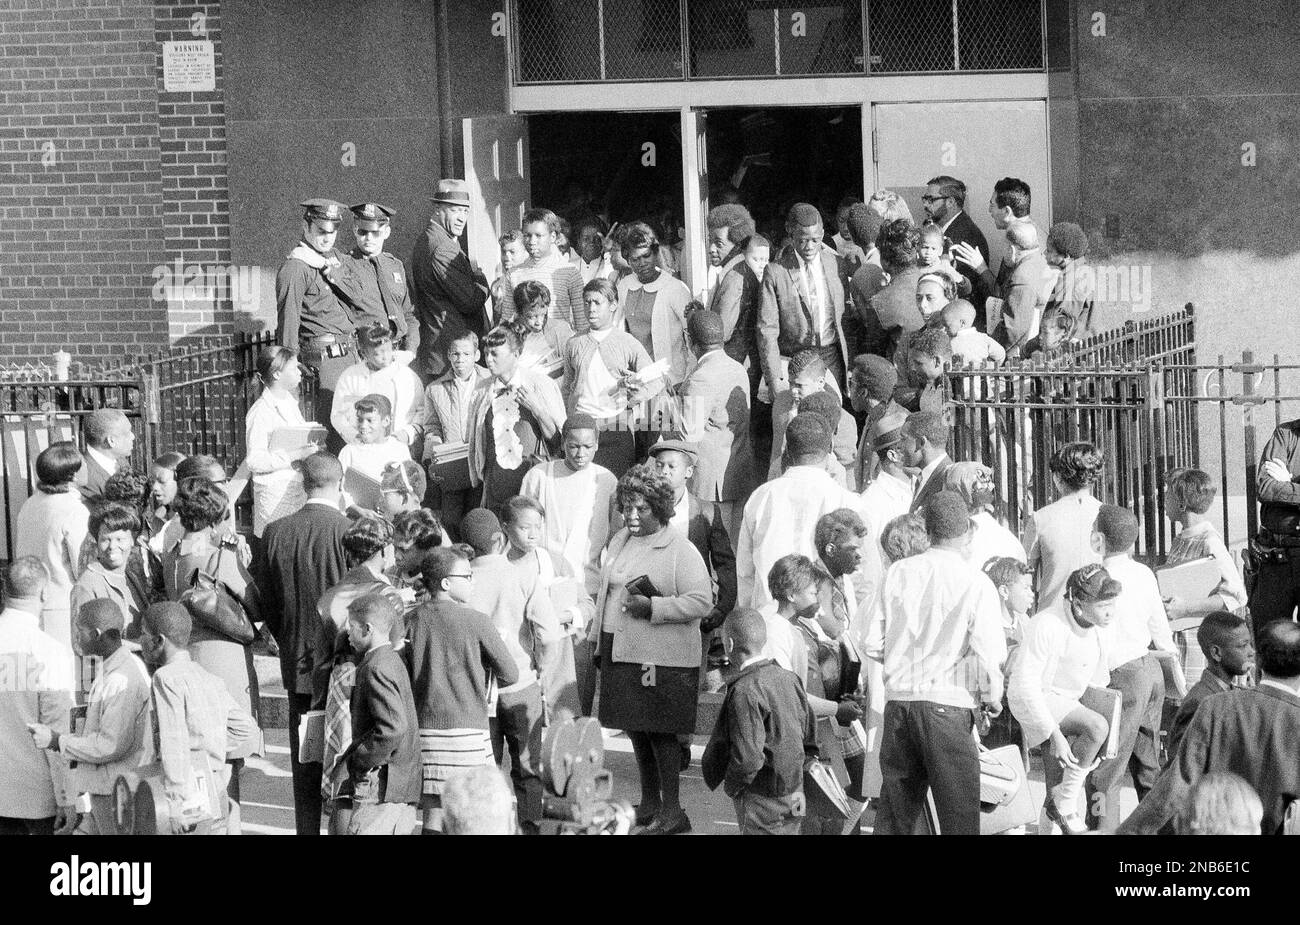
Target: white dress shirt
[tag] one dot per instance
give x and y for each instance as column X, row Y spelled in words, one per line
column 814, row 278
column 779, row 519
column 41, row 678
column 886, row 497
column 992, row 540
column 1140, row 617
column 937, row 630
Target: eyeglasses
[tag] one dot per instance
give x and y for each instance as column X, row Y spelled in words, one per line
column 928, row 198
column 468, row 576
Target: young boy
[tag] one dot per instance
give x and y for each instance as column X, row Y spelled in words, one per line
column 502, row 293
column 808, row 374
column 600, row 369
column 544, row 337
column 929, row 255
column 196, row 723
column 375, row 447
column 1062, row 655
column 520, row 712
column 1140, row 624
column 515, row 420
column 827, row 405
column 382, row 371
column 969, row 345
column 578, row 494
column 383, row 761
column 451, row 651
column 1229, row 652
column 763, row 732
column 1053, row 337
column 115, row 528
column 929, row 352
column 1015, row 583
column 447, row 404
column 556, row 596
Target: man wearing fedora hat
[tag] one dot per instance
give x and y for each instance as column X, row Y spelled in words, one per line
column 375, row 281
column 312, row 312
column 450, row 290
column 890, row 493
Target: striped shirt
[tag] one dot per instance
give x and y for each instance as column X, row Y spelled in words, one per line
column 562, row 278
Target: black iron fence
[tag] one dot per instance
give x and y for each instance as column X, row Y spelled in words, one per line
column 1131, row 392
column 192, row 399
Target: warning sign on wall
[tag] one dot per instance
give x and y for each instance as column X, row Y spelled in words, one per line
column 189, row 67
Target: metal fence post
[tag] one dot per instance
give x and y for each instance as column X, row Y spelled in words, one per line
column 1248, row 400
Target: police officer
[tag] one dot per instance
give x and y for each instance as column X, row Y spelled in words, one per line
column 1275, row 550
column 375, row 282
column 311, row 309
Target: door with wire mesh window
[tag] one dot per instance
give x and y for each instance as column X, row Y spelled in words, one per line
column 976, row 142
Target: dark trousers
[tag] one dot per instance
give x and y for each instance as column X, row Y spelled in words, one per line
column 928, row 746
column 306, row 777
column 452, row 505
column 11, row 826
column 328, row 370
column 1276, row 592
column 617, row 451
column 518, row 726
column 1142, row 687
column 763, row 815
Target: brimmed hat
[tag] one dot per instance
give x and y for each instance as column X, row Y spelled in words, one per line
column 370, row 216
column 455, row 192
column 887, row 430
column 689, row 450
column 326, row 210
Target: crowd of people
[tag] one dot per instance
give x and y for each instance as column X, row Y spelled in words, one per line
column 579, row 491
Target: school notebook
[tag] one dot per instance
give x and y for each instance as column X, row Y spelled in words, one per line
column 1105, row 701
column 1189, row 581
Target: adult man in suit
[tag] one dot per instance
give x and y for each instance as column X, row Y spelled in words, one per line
column 375, row 281
column 385, row 777
column 449, row 289
column 303, row 558
column 715, row 417
column 109, row 442
column 925, row 447
column 945, row 206
column 1252, row 733
column 702, row 522
column 1022, row 275
column 803, row 301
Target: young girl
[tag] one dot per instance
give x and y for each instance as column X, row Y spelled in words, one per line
column 604, row 377
column 364, row 461
column 277, row 486
column 544, row 337
column 382, row 371
column 556, row 596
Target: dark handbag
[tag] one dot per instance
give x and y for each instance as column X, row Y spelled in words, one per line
column 215, row 606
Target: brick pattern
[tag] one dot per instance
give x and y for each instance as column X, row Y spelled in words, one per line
column 81, row 216
column 195, row 184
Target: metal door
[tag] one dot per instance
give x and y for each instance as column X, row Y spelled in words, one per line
column 496, row 169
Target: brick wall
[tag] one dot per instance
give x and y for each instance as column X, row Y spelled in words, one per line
column 195, row 188
column 81, row 217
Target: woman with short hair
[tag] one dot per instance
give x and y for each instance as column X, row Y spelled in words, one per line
column 654, row 590
column 51, row 526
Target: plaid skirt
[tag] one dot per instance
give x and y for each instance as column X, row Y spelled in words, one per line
column 445, row 752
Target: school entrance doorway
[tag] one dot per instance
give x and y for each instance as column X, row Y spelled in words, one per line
column 669, row 166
